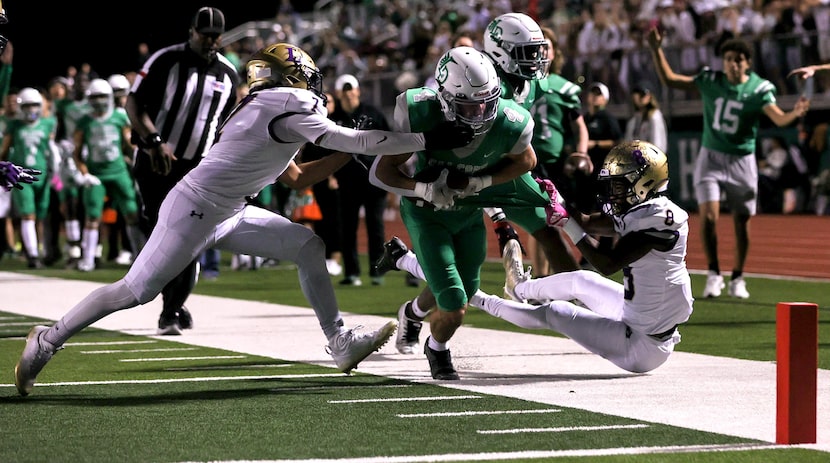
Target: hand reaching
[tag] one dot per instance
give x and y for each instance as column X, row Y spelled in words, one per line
column 447, row 135
column 11, row 175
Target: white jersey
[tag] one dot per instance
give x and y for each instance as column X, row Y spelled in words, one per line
column 264, row 133
column 657, row 285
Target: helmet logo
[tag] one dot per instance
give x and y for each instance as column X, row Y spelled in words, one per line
column 639, row 158
column 443, row 73
column 495, row 30
column 295, row 59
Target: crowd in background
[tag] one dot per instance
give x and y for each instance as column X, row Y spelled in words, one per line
column 392, row 45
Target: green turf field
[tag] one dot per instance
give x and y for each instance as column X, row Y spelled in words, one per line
column 105, row 401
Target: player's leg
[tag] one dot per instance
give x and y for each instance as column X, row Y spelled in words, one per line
column 707, row 178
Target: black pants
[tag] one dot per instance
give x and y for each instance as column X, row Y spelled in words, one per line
column 373, row 199
column 152, row 189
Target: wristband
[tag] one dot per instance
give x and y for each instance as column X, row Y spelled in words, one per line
column 421, row 190
column 153, row 140
column 486, row 181
column 574, row 231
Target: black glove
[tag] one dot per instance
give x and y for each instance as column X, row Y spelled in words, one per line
column 364, row 122
column 447, row 135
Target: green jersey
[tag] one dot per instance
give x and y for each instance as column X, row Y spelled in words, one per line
column 731, row 113
column 103, row 138
column 31, row 145
column 555, row 98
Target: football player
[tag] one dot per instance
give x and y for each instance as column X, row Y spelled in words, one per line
column 444, row 217
column 633, row 324
column 258, row 142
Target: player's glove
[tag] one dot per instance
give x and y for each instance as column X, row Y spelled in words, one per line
column 437, row 192
column 364, row 122
column 476, row 184
column 11, row 175
column 557, row 215
column 447, row 135
column 86, row 179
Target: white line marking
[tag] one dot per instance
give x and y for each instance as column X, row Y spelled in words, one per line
column 229, row 367
column 362, row 386
column 475, row 413
column 4, row 324
column 562, row 429
column 108, row 343
column 405, row 399
column 173, row 359
column 182, row 380
column 123, row 351
column 535, row 454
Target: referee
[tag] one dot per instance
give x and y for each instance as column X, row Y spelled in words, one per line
column 176, row 104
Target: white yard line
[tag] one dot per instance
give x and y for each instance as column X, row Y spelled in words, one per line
column 714, row 394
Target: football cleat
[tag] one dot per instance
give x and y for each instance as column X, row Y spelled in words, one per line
column 409, row 329
column 513, row 270
column 35, row 355
column 350, row 347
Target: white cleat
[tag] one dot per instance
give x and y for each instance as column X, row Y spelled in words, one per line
column 409, row 329
column 34, row 357
column 714, row 285
column 350, row 347
column 513, row 270
column 737, row 288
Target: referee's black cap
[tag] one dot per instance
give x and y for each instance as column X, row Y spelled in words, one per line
column 209, row 20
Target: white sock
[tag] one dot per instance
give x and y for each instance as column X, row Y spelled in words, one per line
column 416, row 310
column 73, row 230
column 29, row 236
column 89, row 244
column 435, row 345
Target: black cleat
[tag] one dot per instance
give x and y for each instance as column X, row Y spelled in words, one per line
column 505, row 232
column 440, row 363
column 393, row 250
column 185, row 319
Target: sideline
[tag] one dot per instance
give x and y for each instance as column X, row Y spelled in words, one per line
column 714, row 394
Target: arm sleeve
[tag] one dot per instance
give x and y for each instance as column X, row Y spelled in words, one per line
column 374, row 180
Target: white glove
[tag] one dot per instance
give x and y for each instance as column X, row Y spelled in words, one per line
column 86, row 179
column 437, row 192
column 475, row 185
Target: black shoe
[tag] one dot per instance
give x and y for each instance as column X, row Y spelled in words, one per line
column 351, row 280
column 411, row 280
column 409, row 329
column 440, row 363
column 185, row 319
column 35, row 263
column 393, row 250
column 505, row 232
column 169, row 327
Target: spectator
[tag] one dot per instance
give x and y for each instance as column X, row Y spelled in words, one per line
column 603, row 134
column 355, row 190
column 647, row 123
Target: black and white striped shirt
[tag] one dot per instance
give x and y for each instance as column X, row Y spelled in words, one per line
column 186, row 97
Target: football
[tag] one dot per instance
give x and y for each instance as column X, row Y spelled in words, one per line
column 578, row 164
column 455, row 179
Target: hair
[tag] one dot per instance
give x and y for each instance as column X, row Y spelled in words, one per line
column 738, row 46
column 558, row 60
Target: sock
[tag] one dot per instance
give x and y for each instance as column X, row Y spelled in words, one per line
column 737, row 274
column 29, row 236
column 73, row 230
column 495, row 214
column 89, row 244
column 417, row 311
column 714, row 268
column 435, row 345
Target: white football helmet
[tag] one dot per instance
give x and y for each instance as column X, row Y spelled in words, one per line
column 119, row 83
column 31, row 104
column 514, row 41
column 100, row 98
column 468, row 88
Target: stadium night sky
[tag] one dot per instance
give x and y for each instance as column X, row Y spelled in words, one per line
column 50, row 36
